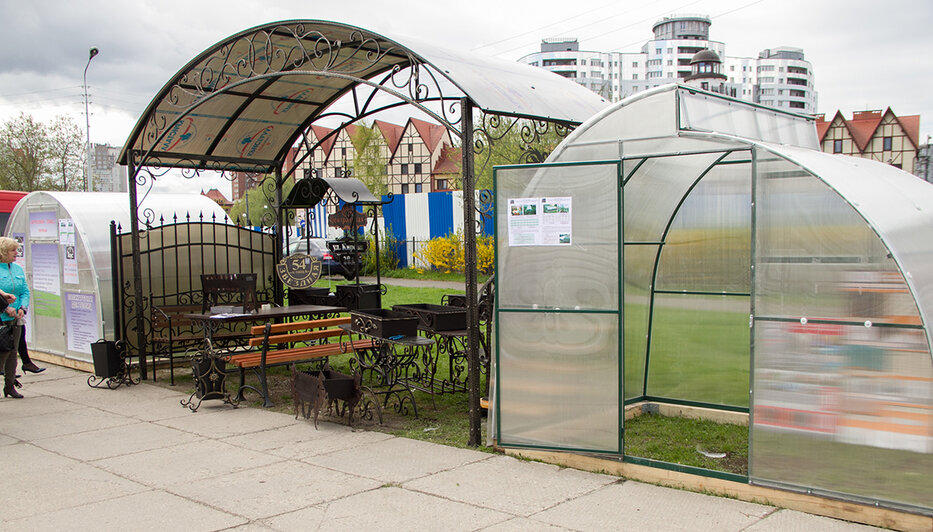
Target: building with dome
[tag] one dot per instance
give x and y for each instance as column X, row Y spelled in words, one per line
column 779, row 77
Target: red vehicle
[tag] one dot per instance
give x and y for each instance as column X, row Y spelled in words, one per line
column 8, row 200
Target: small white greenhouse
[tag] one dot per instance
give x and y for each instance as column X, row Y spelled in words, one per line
column 66, row 253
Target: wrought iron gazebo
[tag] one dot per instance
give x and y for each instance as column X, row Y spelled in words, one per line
column 242, row 104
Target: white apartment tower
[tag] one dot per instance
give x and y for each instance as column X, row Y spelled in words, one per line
column 778, row 77
column 106, row 174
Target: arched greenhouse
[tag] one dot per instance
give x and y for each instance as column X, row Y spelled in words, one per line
column 686, row 248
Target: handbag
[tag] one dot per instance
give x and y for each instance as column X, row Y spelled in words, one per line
column 6, row 337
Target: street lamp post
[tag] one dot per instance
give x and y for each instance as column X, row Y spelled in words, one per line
column 87, row 117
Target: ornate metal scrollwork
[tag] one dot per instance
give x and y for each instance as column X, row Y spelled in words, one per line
column 500, row 140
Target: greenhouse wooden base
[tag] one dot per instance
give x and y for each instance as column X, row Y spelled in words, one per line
column 848, row 511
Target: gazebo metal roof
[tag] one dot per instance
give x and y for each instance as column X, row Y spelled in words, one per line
column 242, row 103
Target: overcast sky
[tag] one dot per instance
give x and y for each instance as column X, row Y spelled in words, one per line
column 866, row 54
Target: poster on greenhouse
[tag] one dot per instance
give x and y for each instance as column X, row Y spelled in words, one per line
column 540, row 221
column 46, row 289
column 43, row 225
column 81, row 321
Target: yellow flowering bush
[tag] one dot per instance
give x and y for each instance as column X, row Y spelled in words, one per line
column 445, row 253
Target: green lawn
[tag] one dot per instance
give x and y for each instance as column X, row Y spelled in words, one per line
column 683, row 441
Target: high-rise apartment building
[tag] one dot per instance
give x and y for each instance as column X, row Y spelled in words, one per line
column 778, row 77
column 106, row 174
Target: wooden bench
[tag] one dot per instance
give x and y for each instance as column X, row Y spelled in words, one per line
column 293, row 343
column 173, row 332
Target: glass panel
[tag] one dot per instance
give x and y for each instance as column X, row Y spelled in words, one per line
column 639, row 267
column 708, row 247
column 580, row 275
column 558, row 380
column 844, row 409
column 699, row 349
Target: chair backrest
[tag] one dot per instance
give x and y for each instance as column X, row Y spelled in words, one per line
column 229, row 289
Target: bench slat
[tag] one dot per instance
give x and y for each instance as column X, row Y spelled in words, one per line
column 281, row 356
column 299, row 325
column 296, row 337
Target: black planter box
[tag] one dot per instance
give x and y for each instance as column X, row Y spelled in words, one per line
column 338, row 385
column 436, row 317
column 311, row 296
column 107, row 360
column 383, row 323
column 456, row 300
column 357, row 296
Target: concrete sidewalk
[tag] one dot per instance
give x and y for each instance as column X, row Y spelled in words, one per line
column 78, row 458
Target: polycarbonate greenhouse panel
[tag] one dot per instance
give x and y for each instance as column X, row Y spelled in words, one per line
column 709, row 112
column 708, row 245
column 655, row 189
column 639, row 266
column 843, row 409
column 558, row 315
column 558, row 380
column 578, row 274
column 842, row 376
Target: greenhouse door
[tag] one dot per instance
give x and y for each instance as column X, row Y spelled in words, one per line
column 558, row 314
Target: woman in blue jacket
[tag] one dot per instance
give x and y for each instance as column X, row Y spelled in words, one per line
column 12, row 281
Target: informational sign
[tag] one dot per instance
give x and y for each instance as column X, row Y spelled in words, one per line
column 43, row 225
column 299, row 271
column 82, row 327
column 46, row 289
column 70, row 264
column 540, row 221
column 66, row 231
column 21, row 252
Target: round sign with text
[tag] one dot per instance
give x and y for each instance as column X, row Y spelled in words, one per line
column 299, row 271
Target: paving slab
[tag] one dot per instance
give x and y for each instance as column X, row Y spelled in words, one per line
column 273, row 489
column 154, row 511
column 74, row 421
column 252, row 527
column 301, row 440
column 189, row 462
column 632, row 505
column 225, row 421
column 116, row 441
column 524, row 524
column 502, row 482
column 44, row 482
column 56, row 382
column 790, row 521
column 390, row 508
column 34, row 406
column 397, row 459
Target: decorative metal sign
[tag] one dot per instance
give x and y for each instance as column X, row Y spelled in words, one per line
column 343, row 219
column 299, row 271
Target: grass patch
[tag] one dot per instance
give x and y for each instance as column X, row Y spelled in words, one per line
column 430, row 275
column 679, row 440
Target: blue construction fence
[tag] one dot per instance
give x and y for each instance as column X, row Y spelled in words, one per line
column 410, row 220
